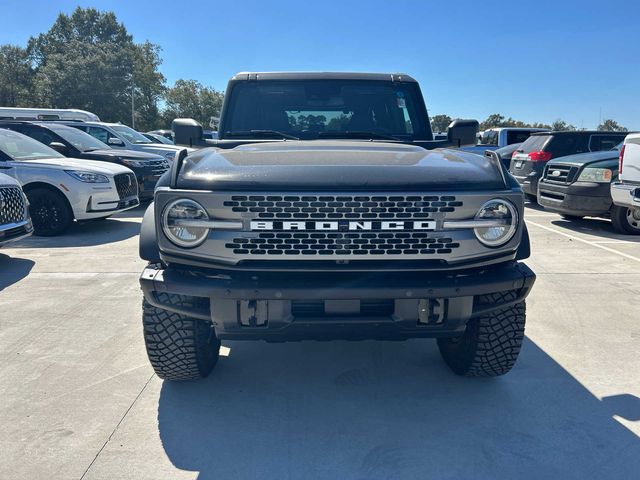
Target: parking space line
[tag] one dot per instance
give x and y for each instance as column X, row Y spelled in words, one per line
column 588, row 242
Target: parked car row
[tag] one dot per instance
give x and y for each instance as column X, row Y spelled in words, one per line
column 572, row 173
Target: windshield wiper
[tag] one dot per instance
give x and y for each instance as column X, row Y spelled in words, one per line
column 360, row 134
column 262, row 132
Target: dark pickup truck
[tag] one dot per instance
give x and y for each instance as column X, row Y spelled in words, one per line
column 325, row 210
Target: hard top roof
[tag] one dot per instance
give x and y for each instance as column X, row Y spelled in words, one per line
column 394, row 77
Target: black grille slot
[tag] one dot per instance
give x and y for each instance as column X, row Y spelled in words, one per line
column 337, row 243
column 560, row 173
column 159, row 166
column 368, row 308
column 126, row 185
column 349, row 207
column 12, row 207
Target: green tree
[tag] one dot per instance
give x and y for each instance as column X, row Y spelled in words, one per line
column 191, row 99
column 610, row 125
column 88, row 60
column 492, row 121
column 562, row 126
column 16, row 77
column 439, row 123
column 149, row 86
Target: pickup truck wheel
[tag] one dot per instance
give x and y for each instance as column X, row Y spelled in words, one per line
column 491, row 343
column 626, row 220
column 50, row 212
column 178, row 347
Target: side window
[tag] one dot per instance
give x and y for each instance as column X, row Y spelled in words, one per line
column 516, row 136
column 99, row 133
column 604, row 142
column 39, row 134
column 568, row 145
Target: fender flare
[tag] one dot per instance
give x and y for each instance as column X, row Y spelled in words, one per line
column 148, row 237
column 524, row 249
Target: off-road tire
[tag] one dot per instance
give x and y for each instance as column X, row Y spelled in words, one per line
column 491, row 343
column 623, row 221
column 571, row 217
column 50, row 212
column 178, row 347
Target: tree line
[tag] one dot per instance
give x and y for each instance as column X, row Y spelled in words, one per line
column 88, row 60
column 439, row 123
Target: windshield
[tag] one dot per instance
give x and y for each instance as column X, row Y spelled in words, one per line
column 79, row 139
column 130, row 134
column 20, row 147
column 311, row 109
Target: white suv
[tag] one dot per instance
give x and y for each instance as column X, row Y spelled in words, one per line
column 14, row 215
column 626, row 191
column 61, row 189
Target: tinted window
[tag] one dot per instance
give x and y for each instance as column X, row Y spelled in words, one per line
column 100, row 133
column 40, row 134
column 562, row 145
column 310, row 109
column 534, row 143
column 605, row 142
column 517, row 136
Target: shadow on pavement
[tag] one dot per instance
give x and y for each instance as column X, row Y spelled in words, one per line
column 13, row 269
column 379, row 410
column 596, row 227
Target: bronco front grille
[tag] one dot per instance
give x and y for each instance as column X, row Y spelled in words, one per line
column 12, row 206
column 336, row 243
column 126, row 184
column 356, row 207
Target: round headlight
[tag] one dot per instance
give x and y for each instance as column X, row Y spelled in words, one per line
column 176, row 220
column 505, row 215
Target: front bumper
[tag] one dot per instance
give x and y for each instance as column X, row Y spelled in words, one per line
column 579, row 198
column 283, row 307
column 15, row 231
column 625, row 194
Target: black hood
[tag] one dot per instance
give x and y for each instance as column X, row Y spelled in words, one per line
column 128, row 154
column 337, row 165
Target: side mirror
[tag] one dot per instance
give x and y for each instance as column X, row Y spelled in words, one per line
column 463, row 132
column 59, row 147
column 115, row 141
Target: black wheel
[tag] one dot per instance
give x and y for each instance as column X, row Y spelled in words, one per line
column 50, row 212
column 531, row 197
column 571, row 217
column 178, row 347
column 626, row 220
column 491, row 343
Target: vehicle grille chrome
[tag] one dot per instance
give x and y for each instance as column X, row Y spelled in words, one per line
column 12, row 206
column 159, row 166
column 357, row 207
column 566, row 173
column 126, row 184
column 336, row 244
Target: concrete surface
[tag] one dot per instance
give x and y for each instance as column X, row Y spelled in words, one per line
column 79, row 400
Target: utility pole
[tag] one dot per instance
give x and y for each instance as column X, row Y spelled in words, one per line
column 133, row 105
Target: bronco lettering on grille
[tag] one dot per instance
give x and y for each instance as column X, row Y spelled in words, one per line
column 343, row 225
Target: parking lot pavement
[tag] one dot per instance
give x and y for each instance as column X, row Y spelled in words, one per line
column 79, row 399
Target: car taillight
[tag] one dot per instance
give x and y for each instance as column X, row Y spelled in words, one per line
column 539, row 156
column 620, row 160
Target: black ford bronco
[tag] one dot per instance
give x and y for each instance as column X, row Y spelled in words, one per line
column 325, row 210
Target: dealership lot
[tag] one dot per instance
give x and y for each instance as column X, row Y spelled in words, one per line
column 79, row 399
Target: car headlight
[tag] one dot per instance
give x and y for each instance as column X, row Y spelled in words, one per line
column 599, row 175
column 175, row 223
column 502, row 219
column 88, row 177
column 133, row 163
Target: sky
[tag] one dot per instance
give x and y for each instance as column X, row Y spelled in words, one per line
column 534, row 61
